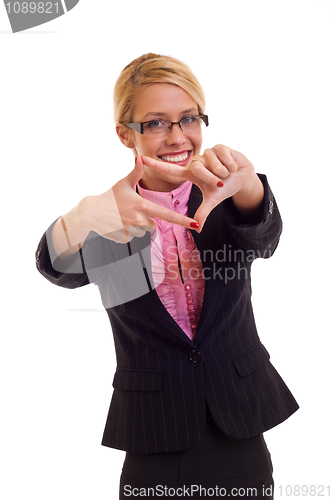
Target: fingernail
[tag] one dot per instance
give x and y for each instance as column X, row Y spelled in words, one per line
column 220, row 184
column 195, row 225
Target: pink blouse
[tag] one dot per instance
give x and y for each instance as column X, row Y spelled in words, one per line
column 176, row 263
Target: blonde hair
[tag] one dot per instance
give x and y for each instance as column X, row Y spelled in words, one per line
column 146, row 70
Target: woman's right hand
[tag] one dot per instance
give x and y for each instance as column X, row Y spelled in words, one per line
column 121, row 213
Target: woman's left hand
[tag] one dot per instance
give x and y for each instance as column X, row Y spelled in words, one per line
column 220, row 173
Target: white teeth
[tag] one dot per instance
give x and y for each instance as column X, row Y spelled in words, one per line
column 175, row 159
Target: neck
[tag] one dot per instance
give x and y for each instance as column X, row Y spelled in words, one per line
column 159, row 184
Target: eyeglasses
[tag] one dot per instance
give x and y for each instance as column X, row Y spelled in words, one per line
column 161, row 127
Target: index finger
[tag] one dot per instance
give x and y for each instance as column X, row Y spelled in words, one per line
column 153, row 210
column 194, row 174
column 224, row 154
column 165, row 167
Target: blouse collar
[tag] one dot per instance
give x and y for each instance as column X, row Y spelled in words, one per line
column 168, row 199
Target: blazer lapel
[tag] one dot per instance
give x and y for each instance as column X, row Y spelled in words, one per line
column 153, row 304
column 151, row 300
column 212, row 286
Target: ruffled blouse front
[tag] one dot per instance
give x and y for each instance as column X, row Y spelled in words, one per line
column 176, row 265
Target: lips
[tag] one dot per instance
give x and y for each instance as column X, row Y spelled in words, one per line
column 178, row 157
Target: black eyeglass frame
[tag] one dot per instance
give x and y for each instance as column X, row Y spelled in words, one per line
column 138, row 127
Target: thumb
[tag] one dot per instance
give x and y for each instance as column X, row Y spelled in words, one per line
column 203, row 211
column 137, row 172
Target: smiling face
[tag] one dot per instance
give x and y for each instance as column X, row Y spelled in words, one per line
column 169, row 102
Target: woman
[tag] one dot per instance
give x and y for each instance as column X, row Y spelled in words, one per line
column 170, row 247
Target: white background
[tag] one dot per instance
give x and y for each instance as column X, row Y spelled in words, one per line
column 266, row 67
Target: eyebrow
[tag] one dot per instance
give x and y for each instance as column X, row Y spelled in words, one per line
column 156, row 113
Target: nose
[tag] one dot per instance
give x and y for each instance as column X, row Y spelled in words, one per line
column 176, row 135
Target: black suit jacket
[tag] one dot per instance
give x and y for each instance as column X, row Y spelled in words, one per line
column 163, row 378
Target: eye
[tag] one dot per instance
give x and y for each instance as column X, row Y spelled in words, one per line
column 188, row 120
column 155, row 124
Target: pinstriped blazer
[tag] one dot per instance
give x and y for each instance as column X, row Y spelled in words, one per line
column 163, row 378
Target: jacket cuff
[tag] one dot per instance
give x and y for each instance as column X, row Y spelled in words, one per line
column 68, row 273
column 235, row 217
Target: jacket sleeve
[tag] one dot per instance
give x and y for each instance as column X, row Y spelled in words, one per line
column 260, row 235
column 99, row 261
column 69, row 273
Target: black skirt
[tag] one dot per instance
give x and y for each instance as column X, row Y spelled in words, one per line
column 216, row 466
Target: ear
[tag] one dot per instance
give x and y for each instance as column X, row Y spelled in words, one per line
column 124, row 134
